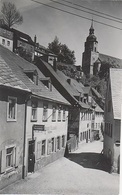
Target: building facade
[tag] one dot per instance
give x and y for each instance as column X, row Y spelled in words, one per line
column 6, row 38
column 113, row 119
column 34, row 119
column 23, row 45
column 46, row 136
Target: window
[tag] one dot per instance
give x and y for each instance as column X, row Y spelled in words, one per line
column 64, row 114
column 111, row 131
column 34, row 111
column 12, row 109
column 38, row 154
column 81, row 137
column 58, row 143
column 8, row 43
column 9, row 157
column 45, row 112
column 59, row 113
column 43, row 147
column 54, row 113
column 89, row 133
column 3, row 41
column 52, row 143
column 63, row 141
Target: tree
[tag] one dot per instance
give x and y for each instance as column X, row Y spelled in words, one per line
column 10, row 14
column 55, row 46
column 64, row 54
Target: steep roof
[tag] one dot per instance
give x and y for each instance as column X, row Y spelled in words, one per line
column 17, row 65
column 116, row 91
column 111, row 60
column 69, row 87
column 8, row 78
column 77, row 86
column 61, row 78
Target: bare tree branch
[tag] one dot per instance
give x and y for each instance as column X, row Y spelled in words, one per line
column 10, row 14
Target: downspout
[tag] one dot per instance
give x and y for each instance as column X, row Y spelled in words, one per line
column 24, row 142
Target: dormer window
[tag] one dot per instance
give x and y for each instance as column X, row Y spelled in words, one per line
column 47, row 82
column 33, row 75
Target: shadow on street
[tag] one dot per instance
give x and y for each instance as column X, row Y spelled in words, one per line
column 89, row 160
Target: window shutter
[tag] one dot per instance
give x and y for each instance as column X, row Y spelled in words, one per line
column 48, row 147
column 3, row 161
column 64, row 141
column 55, row 144
column 60, row 142
column 16, row 156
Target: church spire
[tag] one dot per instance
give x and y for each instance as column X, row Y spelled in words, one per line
column 91, row 30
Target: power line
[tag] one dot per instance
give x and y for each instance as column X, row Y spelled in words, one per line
column 92, row 10
column 85, row 11
column 76, row 15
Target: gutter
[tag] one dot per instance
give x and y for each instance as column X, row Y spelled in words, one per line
column 24, row 142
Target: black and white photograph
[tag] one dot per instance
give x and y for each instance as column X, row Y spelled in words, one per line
column 60, row 97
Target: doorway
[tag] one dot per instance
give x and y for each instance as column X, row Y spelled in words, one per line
column 31, row 155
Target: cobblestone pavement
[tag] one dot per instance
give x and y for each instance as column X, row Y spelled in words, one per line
column 79, row 174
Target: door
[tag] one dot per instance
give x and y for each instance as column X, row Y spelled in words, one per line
column 31, row 155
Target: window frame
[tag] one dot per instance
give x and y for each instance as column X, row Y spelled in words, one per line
column 3, row 41
column 64, row 114
column 8, row 43
column 43, row 154
column 53, row 113
column 34, row 109
column 9, row 157
column 13, row 166
column 58, row 143
column 45, row 108
column 53, row 144
column 8, row 109
column 59, row 113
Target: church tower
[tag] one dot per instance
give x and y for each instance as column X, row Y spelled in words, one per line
column 90, row 54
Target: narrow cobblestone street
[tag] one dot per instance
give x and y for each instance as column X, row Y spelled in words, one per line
column 80, row 173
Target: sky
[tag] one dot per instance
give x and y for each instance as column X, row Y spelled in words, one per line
column 46, row 23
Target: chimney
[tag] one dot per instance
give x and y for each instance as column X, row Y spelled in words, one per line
column 69, row 81
column 35, row 39
column 55, row 65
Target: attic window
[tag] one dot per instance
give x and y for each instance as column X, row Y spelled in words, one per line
column 33, row 76
column 46, row 83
